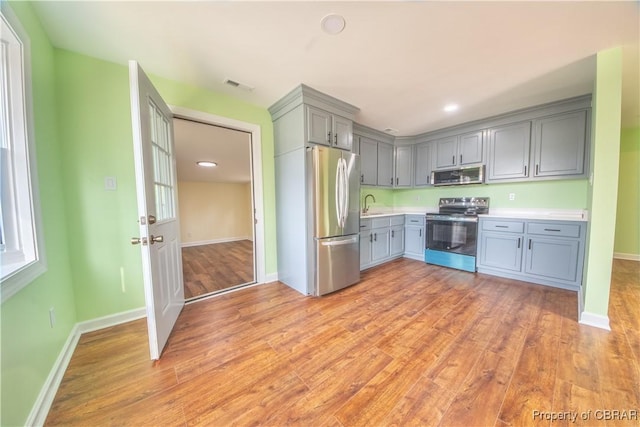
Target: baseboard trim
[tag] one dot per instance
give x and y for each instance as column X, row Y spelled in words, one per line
column 271, row 277
column 214, row 241
column 111, row 320
column 40, row 409
column 630, row 257
column 595, row 320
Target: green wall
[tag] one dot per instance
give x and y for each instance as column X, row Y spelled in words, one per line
column 95, row 126
column 563, row 194
column 29, row 345
column 607, row 97
column 627, row 239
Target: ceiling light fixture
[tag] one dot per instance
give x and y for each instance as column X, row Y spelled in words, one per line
column 207, row 164
column 332, row 24
column 449, row 108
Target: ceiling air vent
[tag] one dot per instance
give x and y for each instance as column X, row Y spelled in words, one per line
column 238, row 85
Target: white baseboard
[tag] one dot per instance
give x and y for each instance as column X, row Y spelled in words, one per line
column 40, row 409
column 596, row 320
column 214, row 241
column 271, row 277
column 630, row 257
column 111, row 320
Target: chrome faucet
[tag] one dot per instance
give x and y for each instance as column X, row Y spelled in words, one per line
column 366, row 209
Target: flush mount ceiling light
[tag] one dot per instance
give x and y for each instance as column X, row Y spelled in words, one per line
column 206, row 164
column 391, row 130
column 332, row 24
column 449, row 108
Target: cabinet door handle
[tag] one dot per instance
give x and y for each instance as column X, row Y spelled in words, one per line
column 375, row 237
column 420, row 232
column 529, row 244
column 552, row 229
column 525, row 170
column 391, row 180
column 370, row 238
column 428, row 179
column 537, row 168
column 502, row 226
column 329, row 137
column 460, row 158
column 397, row 181
column 336, row 138
column 453, row 159
column 518, row 242
column 393, row 234
column 362, row 178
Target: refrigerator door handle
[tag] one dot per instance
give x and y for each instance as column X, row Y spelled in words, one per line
column 348, row 241
column 345, row 195
column 339, row 187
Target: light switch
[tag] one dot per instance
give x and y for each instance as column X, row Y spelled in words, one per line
column 110, row 183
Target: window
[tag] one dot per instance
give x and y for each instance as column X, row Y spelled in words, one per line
column 21, row 247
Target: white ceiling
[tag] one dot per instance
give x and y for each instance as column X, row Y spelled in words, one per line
column 230, row 149
column 399, row 62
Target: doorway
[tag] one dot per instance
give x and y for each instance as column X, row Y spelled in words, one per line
column 220, row 237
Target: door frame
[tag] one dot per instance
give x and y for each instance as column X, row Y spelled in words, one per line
column 256, row 170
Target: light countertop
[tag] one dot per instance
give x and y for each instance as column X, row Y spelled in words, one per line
column 535, row 214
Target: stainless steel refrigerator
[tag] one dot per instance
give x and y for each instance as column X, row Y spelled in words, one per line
column 333, row 183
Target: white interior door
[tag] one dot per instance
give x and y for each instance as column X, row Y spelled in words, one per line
column 156, row 184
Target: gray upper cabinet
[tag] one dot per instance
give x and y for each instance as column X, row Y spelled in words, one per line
column 385, row 165
column 559, row 143
column 368, row 161
column 404, row 166
column 329, row 129
column 445, row 152
column 509, row 151
column 470, row 148
column 424, row 163
column 459, row 150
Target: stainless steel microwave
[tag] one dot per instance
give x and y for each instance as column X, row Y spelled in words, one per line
column 459, row 176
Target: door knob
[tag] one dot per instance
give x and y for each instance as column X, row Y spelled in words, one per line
column 156, row 239
column 138, row 240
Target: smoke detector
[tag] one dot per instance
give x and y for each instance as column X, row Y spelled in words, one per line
column 238, row 85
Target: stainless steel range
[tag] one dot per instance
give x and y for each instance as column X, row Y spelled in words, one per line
column 452, row 233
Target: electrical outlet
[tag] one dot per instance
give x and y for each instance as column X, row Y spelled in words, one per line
column 52, row 317
column 512, row 196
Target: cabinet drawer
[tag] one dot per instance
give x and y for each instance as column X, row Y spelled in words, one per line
column 365, row 224
column 553, row 229
column 396, row 220
column 504, row 226
column 415, row 220
column 380, row 222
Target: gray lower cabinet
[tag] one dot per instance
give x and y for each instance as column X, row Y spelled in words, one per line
column 396, row 245
column 544, row 252
column 414, row 235
column 381, row 239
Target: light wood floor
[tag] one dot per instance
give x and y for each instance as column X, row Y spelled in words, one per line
column 212, row 268
column 412, row 344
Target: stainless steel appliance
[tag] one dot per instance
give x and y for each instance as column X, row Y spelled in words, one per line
column 452, row 233
column 460, row 176
column 333, row 180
